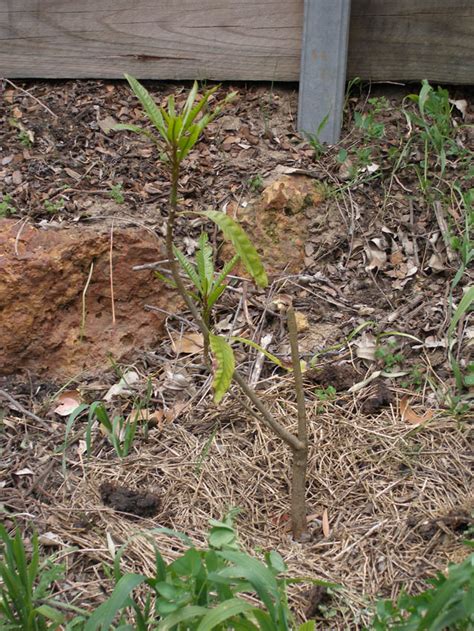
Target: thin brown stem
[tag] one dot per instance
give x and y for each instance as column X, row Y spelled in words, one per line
column 294, row 443
column 300, row 455
column 268, row 418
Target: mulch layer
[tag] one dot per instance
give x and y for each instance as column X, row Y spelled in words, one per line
column 389, row 479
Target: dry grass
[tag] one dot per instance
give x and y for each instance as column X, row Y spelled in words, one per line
column 395, row 494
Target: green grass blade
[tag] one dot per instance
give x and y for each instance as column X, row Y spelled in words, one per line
column 224, row 611
column 242, row 244
column 462, row 308
column 70, row 422
column 225, row 365
column 104, row 615
column 183, row 615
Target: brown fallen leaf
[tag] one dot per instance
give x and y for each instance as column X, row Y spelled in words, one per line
column 409, row 415
column 67, row 402
column 144, row 415
column 302, row 323
column 188, row 343
column 172, row 413
column 325, row 523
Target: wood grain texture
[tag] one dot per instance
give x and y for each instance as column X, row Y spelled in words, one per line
column 412, row 39
column 229, row 39
column 156, row 39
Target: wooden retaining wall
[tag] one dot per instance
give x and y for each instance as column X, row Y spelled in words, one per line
column 229, row 39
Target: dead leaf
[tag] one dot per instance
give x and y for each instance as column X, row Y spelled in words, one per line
column 123, row 386
column 107, row 123
column 436, row 263
column 24, row 471
column 346, row 170
column 144, row 415
column 366, row 347
column 67, row 402
column 461, row 105
column 410, row 416
column 50, row 540
column 74, row 174
column 376, row 258
column 188, row 343
column 173, row 413
column 302, row 323
column 325, row 523
column 17, row 177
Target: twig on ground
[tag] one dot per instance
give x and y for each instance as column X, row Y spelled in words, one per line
column 17, row 87
column 16, row 405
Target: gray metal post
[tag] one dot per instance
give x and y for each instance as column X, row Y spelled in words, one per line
column 323, row 68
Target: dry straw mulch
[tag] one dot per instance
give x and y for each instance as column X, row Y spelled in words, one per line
column 397, row 497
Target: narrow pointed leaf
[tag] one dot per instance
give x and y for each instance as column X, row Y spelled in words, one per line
column 224, row 611
column 104, row 615
column 270, row 356
column 188, row 613
column 462, row 308
column 135, row 129
column 189, row 104
column 204, row 263
column 188, row 267
column 224, row 365
column 242, row 244
column 218, row 284
column 151, row 108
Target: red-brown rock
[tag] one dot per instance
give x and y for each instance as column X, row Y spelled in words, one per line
column 278, row 222
column 43, row 274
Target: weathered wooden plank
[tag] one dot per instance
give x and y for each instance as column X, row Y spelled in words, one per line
column 323, row 68
column 162, row 39
column 412, row 39
column 229, row 39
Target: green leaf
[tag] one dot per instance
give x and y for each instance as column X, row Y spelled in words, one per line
column 462, row 308
column 224, row 611
column 188, row 105
column 242, row 244
column 224, row 365
column 167, row 591
column 189, row 268
column 265, row 621
column 135, row 129
column 310, row 625
column 190, row 117
column 152, row 110
column 220, row 537
column 258, row 574
column 276, row 561
column 104, row 615
column 218, row 285
column 50, row 613
column 188, row 613
column 270, row 356
column 189, row 564
column 204, row 263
